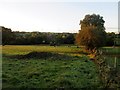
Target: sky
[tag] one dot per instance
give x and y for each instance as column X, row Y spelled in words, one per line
column 55, row 16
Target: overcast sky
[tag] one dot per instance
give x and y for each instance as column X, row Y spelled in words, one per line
column 55, row 16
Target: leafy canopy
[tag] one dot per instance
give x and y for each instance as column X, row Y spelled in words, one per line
column 92, row 34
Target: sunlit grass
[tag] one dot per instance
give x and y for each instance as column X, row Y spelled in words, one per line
column 112, row 50
column 72, row 70
column 14, row 49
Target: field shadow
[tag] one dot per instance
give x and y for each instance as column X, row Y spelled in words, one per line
column 42, row 55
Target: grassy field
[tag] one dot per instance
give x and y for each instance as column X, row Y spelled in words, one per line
column 48, row 67
column 110, row 54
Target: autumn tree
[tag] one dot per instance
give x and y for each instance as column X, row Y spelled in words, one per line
column 92, row 34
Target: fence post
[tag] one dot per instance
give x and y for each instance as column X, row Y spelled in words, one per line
column 115, row 62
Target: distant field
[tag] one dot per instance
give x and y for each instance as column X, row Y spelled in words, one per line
column 111, row 54
column 23, row 49
column 61, row 67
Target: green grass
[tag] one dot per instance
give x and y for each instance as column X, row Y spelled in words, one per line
column 72, row 70
column 23, row 49
column 44, row 74
column 68, row 67
column 111, row 50
column 110, row 54
column 110, row 67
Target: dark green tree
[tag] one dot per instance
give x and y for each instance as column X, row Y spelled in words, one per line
column 7, row 35
column 110, row 39
column 92, row 34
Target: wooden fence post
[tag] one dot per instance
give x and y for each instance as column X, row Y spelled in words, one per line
column 115, row 62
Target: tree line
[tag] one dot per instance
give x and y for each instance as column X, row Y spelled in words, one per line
column 92, row 35
column 10, row 37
